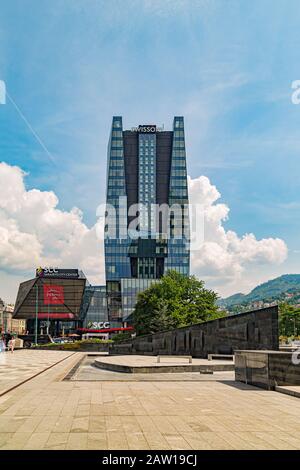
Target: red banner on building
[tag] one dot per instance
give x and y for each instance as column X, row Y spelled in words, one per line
column 56, row 316
column 53, row 294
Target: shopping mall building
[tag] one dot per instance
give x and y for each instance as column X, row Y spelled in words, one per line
column 61, row 302
column 146, row 170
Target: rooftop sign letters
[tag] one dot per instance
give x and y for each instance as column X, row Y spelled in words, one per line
column 98, row 325
column 147, row 129
column 49, row 272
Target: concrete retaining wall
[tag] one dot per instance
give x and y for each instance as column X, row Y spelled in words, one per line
column 257, row 329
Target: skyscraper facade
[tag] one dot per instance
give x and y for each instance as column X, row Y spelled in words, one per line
column 147, row 215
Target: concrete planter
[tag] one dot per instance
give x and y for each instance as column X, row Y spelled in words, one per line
column 266, row 369
column 83, row 348
column 94, row 347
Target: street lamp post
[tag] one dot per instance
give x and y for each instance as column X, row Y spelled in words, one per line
column 48, row 322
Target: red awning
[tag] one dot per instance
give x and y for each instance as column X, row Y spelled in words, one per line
column 57, row 316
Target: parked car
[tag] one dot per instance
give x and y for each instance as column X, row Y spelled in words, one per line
column 30, row 339
column 61, row 340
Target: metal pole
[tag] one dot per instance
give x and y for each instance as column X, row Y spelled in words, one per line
column 36, row 311
column 48, row 319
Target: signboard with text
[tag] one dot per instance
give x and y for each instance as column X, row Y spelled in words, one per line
column 50, row 272
column 98, row 325
column 53, row 294
column 147, row 129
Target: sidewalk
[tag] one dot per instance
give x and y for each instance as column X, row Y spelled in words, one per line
column 21, row 365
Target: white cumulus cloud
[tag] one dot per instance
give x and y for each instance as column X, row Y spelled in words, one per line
column 223, row 256
column 34, row 231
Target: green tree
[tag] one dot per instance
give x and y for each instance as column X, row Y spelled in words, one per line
column 289, row 320
column 174, row 301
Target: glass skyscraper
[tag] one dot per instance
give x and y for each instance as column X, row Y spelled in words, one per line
column 147, row 216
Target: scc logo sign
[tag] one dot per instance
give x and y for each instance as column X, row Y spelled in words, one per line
column 98, row 325
column 41, row 271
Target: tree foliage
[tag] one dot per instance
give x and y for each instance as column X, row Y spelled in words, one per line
column 289, row 320
column 174, row 301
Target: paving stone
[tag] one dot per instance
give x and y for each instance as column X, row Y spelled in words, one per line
column 97, row 441
column 37, row 441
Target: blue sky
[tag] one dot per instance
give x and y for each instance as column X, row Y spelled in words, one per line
column 227, row 66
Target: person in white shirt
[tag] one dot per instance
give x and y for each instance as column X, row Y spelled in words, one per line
column 11, row 344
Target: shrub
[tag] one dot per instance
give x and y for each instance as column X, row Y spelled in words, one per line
column 121, row 337
column 283, row 339
column 74, row 345
column 48, row 345
column 95, row 341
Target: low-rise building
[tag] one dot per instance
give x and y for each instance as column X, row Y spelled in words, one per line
column 8, row 323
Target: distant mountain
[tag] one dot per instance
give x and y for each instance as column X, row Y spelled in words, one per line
column 281, row 288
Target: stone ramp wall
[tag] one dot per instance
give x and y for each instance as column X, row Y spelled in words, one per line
column 257, row 329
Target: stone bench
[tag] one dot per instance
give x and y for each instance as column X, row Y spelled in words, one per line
column 173, row 357
column 220, row 356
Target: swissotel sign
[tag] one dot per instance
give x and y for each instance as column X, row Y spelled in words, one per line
column 148, row 129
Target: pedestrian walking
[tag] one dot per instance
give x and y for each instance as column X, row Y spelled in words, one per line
column 2, row 344
column 7, row 337
column 11, row 344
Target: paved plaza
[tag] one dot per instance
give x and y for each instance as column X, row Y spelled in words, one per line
column 56, row 411
column 21, row 365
